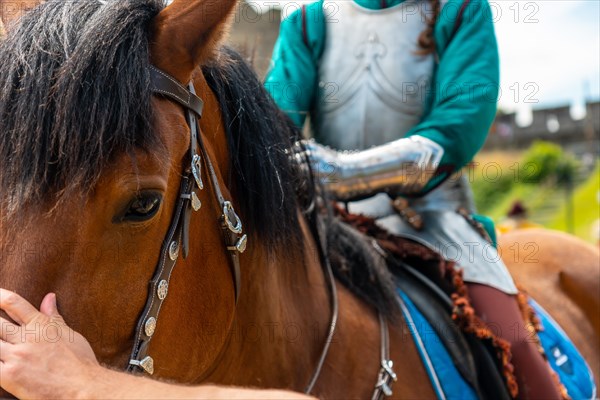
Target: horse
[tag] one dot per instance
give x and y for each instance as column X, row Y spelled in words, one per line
column 92, row 165
column 562, row 273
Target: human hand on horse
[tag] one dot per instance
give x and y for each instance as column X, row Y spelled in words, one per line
column 41, row 357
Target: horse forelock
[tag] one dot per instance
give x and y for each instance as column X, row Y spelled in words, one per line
column 74, row 94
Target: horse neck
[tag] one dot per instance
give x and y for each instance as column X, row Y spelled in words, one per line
column 283, row 316
column 283, row 305
column 281, row 320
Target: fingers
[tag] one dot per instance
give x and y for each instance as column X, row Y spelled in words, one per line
column 49, row 308
column 17, row 307
column 5, row 348
column 8, row 331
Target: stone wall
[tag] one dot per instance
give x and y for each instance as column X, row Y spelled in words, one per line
column 553, row 124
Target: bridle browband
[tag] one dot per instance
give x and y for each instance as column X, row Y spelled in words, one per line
column 179, row 231
column 235, row 241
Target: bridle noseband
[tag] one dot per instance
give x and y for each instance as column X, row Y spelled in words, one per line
column 179, row 231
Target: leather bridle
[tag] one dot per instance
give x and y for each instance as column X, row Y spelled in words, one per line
column 177, row 238
column 179, row 231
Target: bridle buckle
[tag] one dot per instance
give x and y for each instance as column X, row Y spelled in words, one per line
column 240, row 246
column 232, row 221
column 197, row 170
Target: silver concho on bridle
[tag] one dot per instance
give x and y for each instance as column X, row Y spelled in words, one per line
column 197, row 172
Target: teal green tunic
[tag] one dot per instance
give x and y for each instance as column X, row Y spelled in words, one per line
column 462, row 105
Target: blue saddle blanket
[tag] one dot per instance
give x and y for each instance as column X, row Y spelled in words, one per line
column 448, row 383
column 564, row 358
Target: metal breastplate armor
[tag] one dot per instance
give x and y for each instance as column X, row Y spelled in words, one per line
column 372, row 85
column 372, row 91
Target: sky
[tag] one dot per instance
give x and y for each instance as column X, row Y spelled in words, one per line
column 549, row 51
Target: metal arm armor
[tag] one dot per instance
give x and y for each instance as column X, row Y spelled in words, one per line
column 401, row 167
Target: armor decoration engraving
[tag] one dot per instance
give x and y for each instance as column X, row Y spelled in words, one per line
column 373, row 85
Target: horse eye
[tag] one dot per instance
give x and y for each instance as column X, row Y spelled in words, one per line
column 144, row 207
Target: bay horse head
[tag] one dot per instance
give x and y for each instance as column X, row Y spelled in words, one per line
column 100, row 194
column 92, row 162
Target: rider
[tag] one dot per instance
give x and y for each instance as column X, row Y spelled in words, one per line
column 400, row 95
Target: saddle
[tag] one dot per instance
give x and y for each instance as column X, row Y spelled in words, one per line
column 377, row 266
column 462, row 356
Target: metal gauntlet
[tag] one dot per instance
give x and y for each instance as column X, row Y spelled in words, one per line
column 400, row 167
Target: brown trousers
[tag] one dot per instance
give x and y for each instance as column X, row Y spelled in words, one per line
column 501, row 312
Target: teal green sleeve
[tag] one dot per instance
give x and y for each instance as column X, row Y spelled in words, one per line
column 489, row 227
column 292, row 80
column 462, row 104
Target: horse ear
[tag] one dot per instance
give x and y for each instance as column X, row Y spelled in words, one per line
column 11, row 10
column 187, row 33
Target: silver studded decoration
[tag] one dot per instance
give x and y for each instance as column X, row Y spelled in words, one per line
column 150, row 326
column 242, row 243
column 147, row 365
column 163, row 289
column 174, row 250
column 197, row 171
column 196, row 203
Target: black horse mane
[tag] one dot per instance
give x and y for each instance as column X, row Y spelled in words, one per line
column 259, row 135
column 260, row 138
column 74, row 93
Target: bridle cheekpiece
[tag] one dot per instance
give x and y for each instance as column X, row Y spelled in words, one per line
column 178, row 234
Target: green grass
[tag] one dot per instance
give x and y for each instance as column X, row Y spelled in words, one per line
column 545, row 202
column 586, row 209
column 491, row 190
column 533, row 197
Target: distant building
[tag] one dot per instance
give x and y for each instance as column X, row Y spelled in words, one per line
column 553, row 124
column 254, row 35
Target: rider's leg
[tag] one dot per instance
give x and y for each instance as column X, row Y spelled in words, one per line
column 502, row 312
